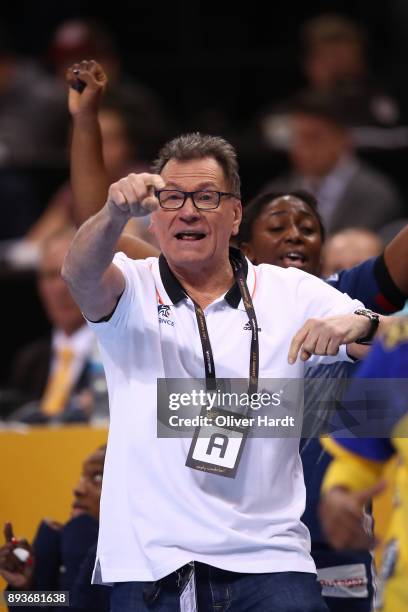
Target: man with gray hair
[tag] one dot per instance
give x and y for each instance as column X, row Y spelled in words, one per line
column 213, row 521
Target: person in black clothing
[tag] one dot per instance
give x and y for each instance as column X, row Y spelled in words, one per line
column 62, row 556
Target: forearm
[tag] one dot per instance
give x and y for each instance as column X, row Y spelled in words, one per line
column 89, row 178
column 94, row 282
column 93, row 247
column 90, row 182
column 396, row 259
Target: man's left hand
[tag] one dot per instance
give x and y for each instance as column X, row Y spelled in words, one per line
column 324, row 336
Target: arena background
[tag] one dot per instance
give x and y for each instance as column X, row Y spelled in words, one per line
column 204, row 59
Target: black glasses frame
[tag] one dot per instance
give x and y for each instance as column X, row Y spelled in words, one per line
column 191, row 194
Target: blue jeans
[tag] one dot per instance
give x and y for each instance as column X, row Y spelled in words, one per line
column 222, row 591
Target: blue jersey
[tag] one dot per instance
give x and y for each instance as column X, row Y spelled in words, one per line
column 388, row 360
column 371, row 283
column 359, row 462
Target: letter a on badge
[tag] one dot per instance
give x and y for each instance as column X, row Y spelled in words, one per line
column 223, row 445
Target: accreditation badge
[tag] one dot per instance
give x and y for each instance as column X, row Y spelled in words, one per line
column 217, row 446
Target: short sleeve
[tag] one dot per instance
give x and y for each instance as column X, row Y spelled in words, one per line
column 317, row 299
column 322, row 300
column 128, row 313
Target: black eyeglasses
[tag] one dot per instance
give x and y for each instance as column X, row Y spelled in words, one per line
column 173, row 199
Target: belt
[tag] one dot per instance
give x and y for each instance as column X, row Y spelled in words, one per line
column 174, row 582
column 177, row 580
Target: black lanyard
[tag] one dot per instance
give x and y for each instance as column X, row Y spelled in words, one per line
column 210, row 377
column 198, row 458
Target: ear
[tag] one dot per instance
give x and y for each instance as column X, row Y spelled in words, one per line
column 237, row 211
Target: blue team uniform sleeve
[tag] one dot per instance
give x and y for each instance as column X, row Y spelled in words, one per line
column 388, row 363
column 371, row 283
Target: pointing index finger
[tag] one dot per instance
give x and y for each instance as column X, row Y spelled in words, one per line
column 153, row 180
column 297, row 341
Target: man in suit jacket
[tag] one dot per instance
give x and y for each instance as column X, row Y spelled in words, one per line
column 37, row 369
column 350, row 193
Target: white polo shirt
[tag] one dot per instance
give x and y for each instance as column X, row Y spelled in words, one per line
column 156, row 513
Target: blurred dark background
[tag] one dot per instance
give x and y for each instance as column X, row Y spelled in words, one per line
column 219, row 63
column 217, row 67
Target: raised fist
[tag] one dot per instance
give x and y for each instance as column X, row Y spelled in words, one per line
column 135, row 194
column 87, row 81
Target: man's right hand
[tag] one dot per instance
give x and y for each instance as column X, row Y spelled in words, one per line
column 92, row 75
column 343, row 519
column 135, row 194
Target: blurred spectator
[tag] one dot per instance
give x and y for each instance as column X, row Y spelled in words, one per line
column 62, row 556
column 334, row 51
column 33, row 114
column 333, row 59
column 33, row 135
column 120, row 155
column 77, row 39
column 349, row 248
column 323, row 162
column 54, row 375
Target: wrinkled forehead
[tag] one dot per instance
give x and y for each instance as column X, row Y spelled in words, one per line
column 194, row 173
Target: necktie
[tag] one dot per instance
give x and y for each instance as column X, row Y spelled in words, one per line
column 59, row 384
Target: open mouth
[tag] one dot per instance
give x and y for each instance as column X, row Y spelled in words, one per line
column 293, row 258
column 190, row 236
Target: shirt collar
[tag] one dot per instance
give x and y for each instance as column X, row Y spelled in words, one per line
column 176, row 292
